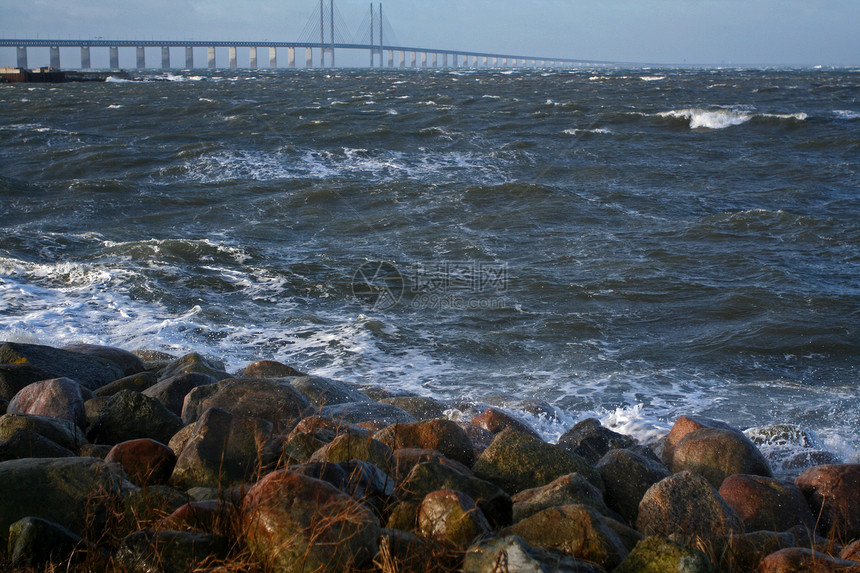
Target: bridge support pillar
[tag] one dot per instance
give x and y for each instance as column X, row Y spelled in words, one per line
column 252, row 57
column 141, row 57
column 189, row 57
column 114, row 58
column 273, row 57
column 55, row 57
column 414, row 60
column 85, row 58
column 291, row 57
column 22, row 57
column 435, row 60
column 165, row 58
column 444, row 60
column 423, row 59
column 210, row 56
column 402, row 59
column 234, row 63
column 309, row 58
column 390, row 58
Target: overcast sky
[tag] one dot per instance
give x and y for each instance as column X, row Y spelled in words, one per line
column 736, row 32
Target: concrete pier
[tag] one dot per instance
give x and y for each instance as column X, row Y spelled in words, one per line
column 390, row 58
column 114, row 58
column 189, row 57
column 141, row 57
column 210, row 53
column 252, row 57
column 414, row 59
column 22, row 57
column 273, row 57
column 291, row 57
column 55, row 57
column 234, row 62
column 309, row 58
column 86, row 63
column 165, row 58
column 423, row 59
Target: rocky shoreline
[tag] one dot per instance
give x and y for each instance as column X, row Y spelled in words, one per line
column 139, row 462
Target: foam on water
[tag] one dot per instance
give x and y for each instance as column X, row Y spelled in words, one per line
column 724, row 117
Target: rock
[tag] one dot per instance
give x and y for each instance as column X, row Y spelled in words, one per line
column 61, row 432
column 716, row 453
column 358, row 412
column 349, row 446
column 153, row 355
column 14, row 377
column 765, row 503
column 298, row 449
column 801, row 560
column 516, row 461
column 168, row 551
column 93, row 407
column 658, row 555
column 225, row 449
column 137, row 382
column 430, row 476
column 452, row 516
column 129, row 415
column 687, row 505
column 405, row 552
column 404, row 516
column 194, row 362
column 180, row 438
column 511, row 553
column 145, row 461
column 833, row 493
column 685, row 425
column 269, row 369
column 73, row 492
column 418, row 407
column 327, row 429
column 90, row 371
column 324, row 392
column 29, row 444
column 567, row 490
column 214, row 516
column 296, row 523
column 494, row 420
column 851, row 551
column 745, row 552
column 99, row 451
column 36, row 541
column 444, row 436
column 272, row 400
column 576, row 530
column 60, row 398
column 627, row 475
column 146, row 506
column 628, row 536
column 591, row 441
column 172, row 391
column 480, row 438
column 126, row 361
column 407, row 458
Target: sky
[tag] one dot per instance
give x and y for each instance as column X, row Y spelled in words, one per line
column 707, row 32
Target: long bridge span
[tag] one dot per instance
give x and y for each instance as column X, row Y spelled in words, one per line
column 397, row 55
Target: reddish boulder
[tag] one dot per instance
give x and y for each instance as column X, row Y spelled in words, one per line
column 444, row 436
column 60, row 398
column 686, row 425
column 765, row 503
column 802, row 560
column 145, row 461
column 269, row 369
column 495, row 420
column 214, row 516
column 833, row 492
column 452, row 516
column 717, row 453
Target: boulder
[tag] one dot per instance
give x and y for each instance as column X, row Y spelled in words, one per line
column 802, row 560
column 686, row 504
column 90, row 371
column 745, row 552
column 180, row 438
column 480, row 438
column 172, row 391
column 36, row 541
column 685, row 425
column 494, row 420
column 129, row 415
column 766, row 503
column 137, row 382
column 658, row 555
column 29, row 444
column 716, row 453
column 60, row 398
column 589, row 440
column 168, row 551
column 272, row 400
column 405, row 552
column 418, row 407
column 851, row 551
column 407, row 458
column 444, row 436
column 14, row 377
column 225, row 449
column 576, row 530
column 511, row 553
column 833, row 493
column 325, row 392
column 327, row 429
column 627, row 475
column 145, row 461
column 570, row 489
column 73, row 492
column 61, row 432
column 144, row 507
column 298, row 449
column 213, row 516
column 269, row 369
column 296, row 523
column 194, row 362
column 517, row 461
column 349, row 446
column 430, row 476
column 358, row 412
column 126, row 361
column 453, row 516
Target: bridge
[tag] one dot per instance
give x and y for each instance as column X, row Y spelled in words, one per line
column 329, row 41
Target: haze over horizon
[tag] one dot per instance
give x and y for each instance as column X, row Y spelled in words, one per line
column 677, row 32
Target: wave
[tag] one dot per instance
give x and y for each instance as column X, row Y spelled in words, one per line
column 846, row 114
column 722, row 118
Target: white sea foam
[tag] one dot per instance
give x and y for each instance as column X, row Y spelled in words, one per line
column 652, row 78
column 846, row 114
column 721, row 118
column 597, row 130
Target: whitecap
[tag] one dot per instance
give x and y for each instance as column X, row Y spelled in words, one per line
column 709, row 119
column 846, row 114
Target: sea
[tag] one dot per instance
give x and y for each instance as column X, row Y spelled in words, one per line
column 630, row 244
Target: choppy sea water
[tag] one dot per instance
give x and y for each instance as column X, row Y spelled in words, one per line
column 631, row 244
